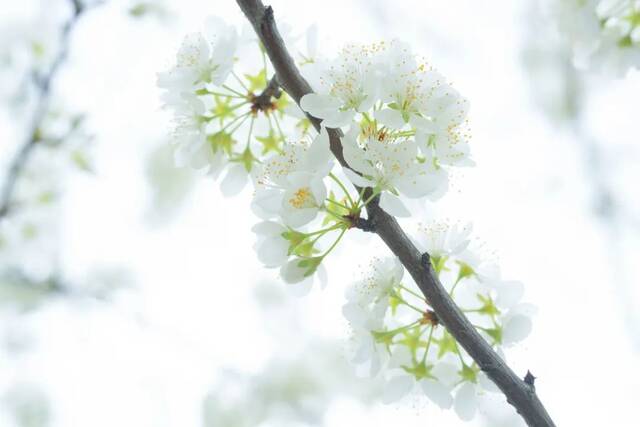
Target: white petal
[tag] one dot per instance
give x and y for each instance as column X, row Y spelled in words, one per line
column 465, row 403
column 272, row 252
column 516, row 329
column 319, row 106
column 447, row 373
column 393, row 205
column 437, row 392
column 419, row 185
column 322, row 276
column 355, row 314
column 268, row 228
column 486, row 383
column 234, row 181
column 390, row 118
column 357, row 179
column 401, row 356
column 338, row 119
column 397, row 388
column 509, row 293
column 292, row 273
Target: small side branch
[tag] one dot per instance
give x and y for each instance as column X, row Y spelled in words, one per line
column 43, row 87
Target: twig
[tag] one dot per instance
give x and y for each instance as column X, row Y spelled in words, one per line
column 43, row 87
column 518, row 393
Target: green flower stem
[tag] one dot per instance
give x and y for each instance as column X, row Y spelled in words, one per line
column 375, row 192
column 338, row 204
column 337, row 217
column 334, row 243
column 240, row 81
column 415, row 294
column 253, row 119
column 400, row 329
column 460, row 355
column 360, row 195
column 244, row 119
column 226, row 95
column 426, row 350
column 235, row 91
column 344, row 189
column 453, row 288
column 403, row 301
column 325, row 230
column 275, row 119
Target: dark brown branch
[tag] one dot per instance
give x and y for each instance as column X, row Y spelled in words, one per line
column 43, row 87
column 518, row 393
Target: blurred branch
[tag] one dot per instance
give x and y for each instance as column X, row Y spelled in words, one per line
column 43, row 87
column 519, row 394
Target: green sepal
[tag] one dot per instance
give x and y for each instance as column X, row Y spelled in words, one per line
column 310, row 265
column 221, row 140
column 488, row 306
column 270, row 142
column 495, row 333
column 469, row 373
column 258, row 81
column 446, row 344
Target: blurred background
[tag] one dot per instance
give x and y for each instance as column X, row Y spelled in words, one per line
column 130, row 294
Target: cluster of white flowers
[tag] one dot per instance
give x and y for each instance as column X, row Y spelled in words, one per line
column 227, row 113
column 604, row 34
column 405, row 128
column 406, row 124
column 398, row 336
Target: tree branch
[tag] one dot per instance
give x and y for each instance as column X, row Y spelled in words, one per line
column 43, row 87
column 518, row 393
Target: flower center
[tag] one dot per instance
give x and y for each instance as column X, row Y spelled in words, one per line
column 302, row 198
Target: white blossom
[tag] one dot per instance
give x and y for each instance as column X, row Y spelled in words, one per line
column 604, row 34
column 290, row 184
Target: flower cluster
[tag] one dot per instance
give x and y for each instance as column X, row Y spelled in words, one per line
column 398, row 336
column 604, row 34
column 227, row 113
column 407, row 125
column 405, row 129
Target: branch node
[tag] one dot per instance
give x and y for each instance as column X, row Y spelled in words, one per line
column 364, row 224
column 426, row 260
column 530, row 380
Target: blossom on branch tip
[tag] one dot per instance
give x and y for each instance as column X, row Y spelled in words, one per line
column 397, row 335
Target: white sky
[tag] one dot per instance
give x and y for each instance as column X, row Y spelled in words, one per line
column 148, row 361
